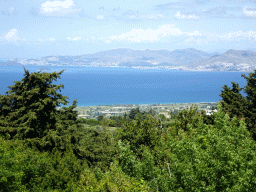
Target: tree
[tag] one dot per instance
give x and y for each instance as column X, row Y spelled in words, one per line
column 186, row 117
column 250, row 112
column 29, row 110
column 219, row 157
column 233, row 102
column 140, row 133
column 97, row 148
column 208, row 119
column 118, row 120
column 242, row 107
column 26, row 169
column 133, row 113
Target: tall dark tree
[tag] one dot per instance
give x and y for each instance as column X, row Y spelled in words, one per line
column 133, row 113
column 232, row 101
column 29, row 109
column 242, row 107
column 250, row 112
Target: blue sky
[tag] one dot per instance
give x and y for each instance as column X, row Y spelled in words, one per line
column 37, row 28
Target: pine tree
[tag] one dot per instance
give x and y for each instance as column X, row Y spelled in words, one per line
column 233, row 102
column 29, row 112
column 250, row 112
column 237, row 105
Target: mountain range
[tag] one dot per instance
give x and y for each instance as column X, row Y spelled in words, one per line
column 181, row 59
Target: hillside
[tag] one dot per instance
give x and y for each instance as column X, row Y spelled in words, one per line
column 231, row 60
column 181, row 59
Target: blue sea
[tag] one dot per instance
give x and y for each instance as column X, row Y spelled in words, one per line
column 110, row 86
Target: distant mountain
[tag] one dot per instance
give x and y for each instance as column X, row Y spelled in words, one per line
column 125, row 57
column 231, row 60
column 10, row 62
column 181, row 59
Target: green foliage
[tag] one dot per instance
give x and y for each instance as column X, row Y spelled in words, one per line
column 139, row 167
column 118, row 120
column 112, row 180
column 26, row 169
column 30, row 105
column 209, row 158
column 207, row 119
column 250, row 113
column 233, row 102
column 15, row 166
column 29, row 111
column 139, row 133
column 92, row 122
column 108, row 122
column 65, row 170
column 133, row 113
column 100, row 118
column 186, row 118
column 242, row 107
column 97, row 148
column 203, row 158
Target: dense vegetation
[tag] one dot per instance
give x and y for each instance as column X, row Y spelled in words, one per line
column 43, row 148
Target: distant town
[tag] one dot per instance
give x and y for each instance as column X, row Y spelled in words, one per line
column 92, row 112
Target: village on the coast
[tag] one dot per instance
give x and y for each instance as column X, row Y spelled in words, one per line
column 92, row 112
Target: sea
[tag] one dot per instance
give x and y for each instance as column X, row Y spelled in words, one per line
column 112, row 85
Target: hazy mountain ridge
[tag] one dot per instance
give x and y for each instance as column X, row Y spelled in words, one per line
column 231, row 60
column 181, row 59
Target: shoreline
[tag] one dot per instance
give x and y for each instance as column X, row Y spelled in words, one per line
column 147, row 104
column 158, row 68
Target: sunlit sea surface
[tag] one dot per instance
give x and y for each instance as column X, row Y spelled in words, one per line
column 110, row 86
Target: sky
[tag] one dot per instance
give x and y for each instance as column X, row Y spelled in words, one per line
column 31, row 29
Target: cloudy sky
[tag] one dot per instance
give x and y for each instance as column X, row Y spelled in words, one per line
column 37, row 28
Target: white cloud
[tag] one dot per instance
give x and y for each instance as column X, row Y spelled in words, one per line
column 250, row 12
column 100, row 17
column 152, row 16
column 240, row 35
column 195, row 33
column 12, row 35
column 231, row 37
column 134, row 16
column 146, row 17
column 51, row 39
column 74, row 38
column 11, row 9
column 179, row 15
column 58, row 7
column 143, row 17
column 150, row 35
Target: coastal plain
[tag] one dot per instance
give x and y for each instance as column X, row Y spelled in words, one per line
column 92, row 112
